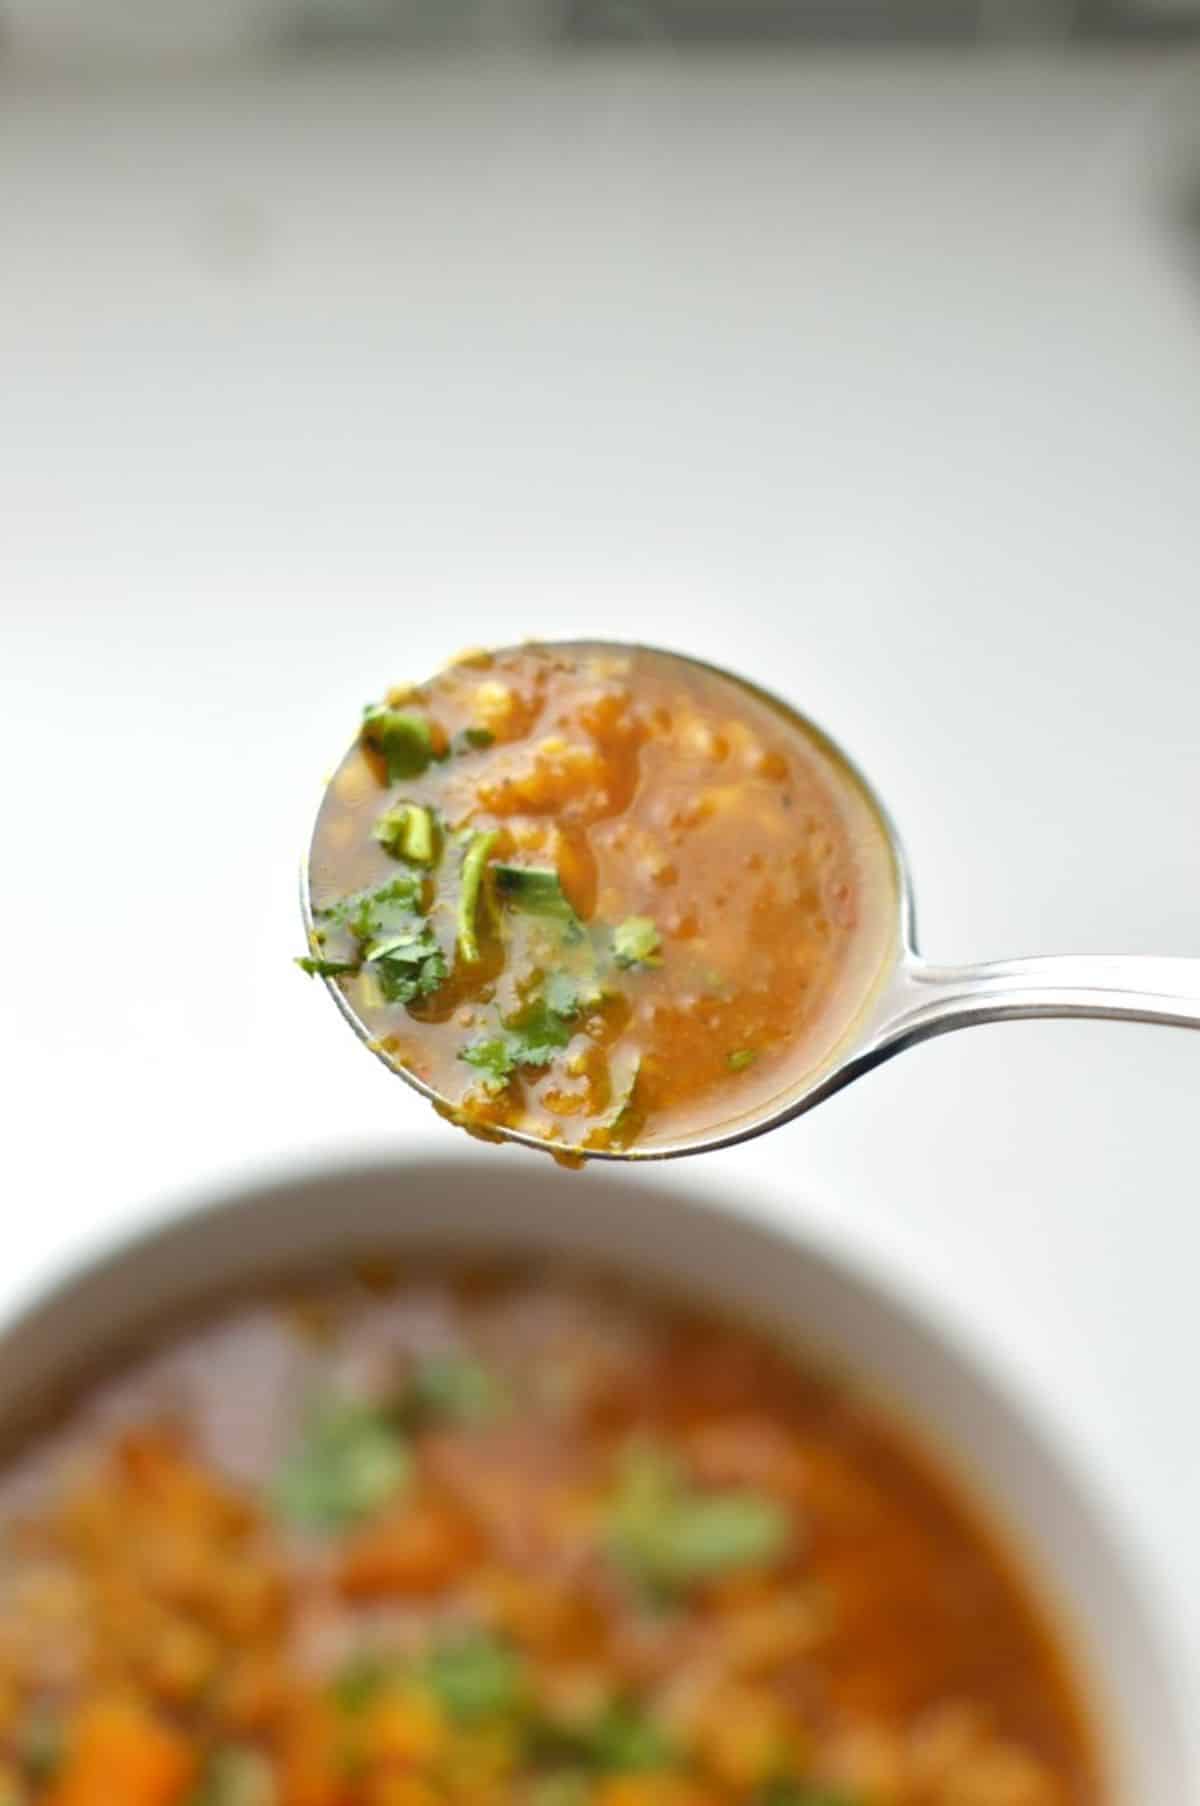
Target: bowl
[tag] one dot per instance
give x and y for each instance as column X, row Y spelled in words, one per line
column 850, row 1310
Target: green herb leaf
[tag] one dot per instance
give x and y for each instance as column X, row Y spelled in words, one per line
column 404, row 741
column 563, row 995
column 350, row 1461
column 620, row 1739
column 409, row 831
column 472, row 1674
column 42, row 1743
column 626, row 1118
column 472, row 739
column 537, row 891
column 530, row 1038
column 236, row 1775
column 567, row 1787
column 475, row 1676
column 670, row 1537
column 473, row 866
column 391, row 938
column 454, row 1388
column 326, row 968
column 571, row 993
column 637, row 942
column 361, row 1678
column 703, row 1537
column 625, row 1740
column 494, row 1057
column 741, row 1058
column 499, row 1056
column 540, row 1031
column 370, row 914
column 804, row 1793
column 409, row 965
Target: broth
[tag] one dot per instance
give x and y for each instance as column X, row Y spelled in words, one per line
column 605, row 897
column 425, row 1536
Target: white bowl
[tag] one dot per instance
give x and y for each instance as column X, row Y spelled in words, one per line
column 847, row 1309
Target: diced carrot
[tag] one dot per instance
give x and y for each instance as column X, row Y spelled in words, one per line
column 418, row 1549
column 312, row 1757
column 654, row 1789
column 744, row 1737
column 403, row 1729
column 121, row 1756
column 546, row 777
column 252, row 1690
column 159, row 1468
column 389, row 1789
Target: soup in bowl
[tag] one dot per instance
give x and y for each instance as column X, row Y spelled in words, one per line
column 402, row 1486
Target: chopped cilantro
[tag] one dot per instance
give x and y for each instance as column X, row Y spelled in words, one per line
column 530, row 1038
column 394, row 941
column 455, row 1388
column 570, row 993
column 474, row 863
column 541, row 1030
column 369, row 915
column 741, row 1058
column 537, row 890
column 498, row 1056
column 349, row 1461
column 42, row 1743
column 472, row 739
column 494, row 1057
column 637, row 942
column 326, row 968
column 409, row 831
column 624, row 1121
column 236, row 1775
column 803, row 1793
column 625, row 1740
column 361, row 1678
column 403, row 741
column 475, row 1676
column 621, row 1738
column 669, row 1536
column 409, row 965
column 564, row 1787
column 562, row 994
column 472, row 1675
column 706, row 1536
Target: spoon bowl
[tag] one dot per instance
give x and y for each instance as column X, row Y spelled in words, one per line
column 904, row 1000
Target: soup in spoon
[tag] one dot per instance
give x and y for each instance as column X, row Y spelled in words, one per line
column 600, row 896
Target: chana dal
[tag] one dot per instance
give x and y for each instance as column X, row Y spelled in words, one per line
column 507, row 1538
column 604, row 897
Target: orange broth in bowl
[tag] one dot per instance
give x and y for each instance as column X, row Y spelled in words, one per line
column 432, row 1535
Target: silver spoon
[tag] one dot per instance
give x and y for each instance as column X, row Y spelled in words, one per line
column 912, row 999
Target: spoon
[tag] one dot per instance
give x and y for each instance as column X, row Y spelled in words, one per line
column 910, row 1000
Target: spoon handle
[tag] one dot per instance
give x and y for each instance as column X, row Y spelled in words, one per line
column 930, row 1000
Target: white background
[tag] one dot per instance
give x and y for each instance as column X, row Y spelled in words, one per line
column 879, row 381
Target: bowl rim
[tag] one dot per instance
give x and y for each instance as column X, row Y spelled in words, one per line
column 877, row 1257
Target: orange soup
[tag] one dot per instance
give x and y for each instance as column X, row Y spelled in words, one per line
column 507, row 1538
column 606, row 897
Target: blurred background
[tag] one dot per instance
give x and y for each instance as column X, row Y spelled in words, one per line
column 131, row 28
